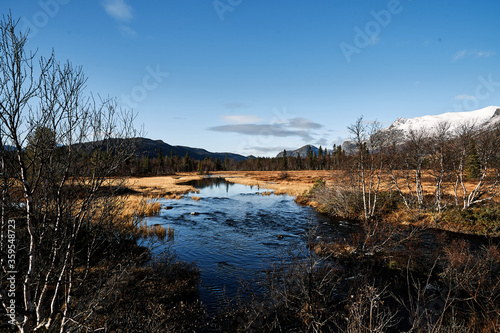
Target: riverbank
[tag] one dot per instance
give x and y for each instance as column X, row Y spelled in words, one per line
column 298, row 184
column 387, row 263
column 290, row 182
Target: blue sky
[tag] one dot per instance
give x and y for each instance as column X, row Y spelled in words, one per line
column 259, row 76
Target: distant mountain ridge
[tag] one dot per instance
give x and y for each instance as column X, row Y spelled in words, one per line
column 149, row 147
column 302, row 151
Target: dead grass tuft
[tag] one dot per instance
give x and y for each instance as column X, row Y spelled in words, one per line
column 171, row 233
column 157, row 230
column 147, row 207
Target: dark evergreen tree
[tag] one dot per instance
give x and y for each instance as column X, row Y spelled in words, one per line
column 321, row 158
column 218, row 164
column 299, row 162
column 146, row 165
column 200, row 168
column 226, row 163
column 473, row 164
column 172, row 162
column 310, row 157
column 186, row 163
column 160, row 158
column 285, row 160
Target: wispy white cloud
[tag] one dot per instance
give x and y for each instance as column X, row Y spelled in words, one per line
column 118, row 9
column 234, row 105
column 472, row 53
column 460, row 54
column 465, row 97
column 262, row 149
column 275, row 130
column 303, row 123
column 248, row 125
column 240, row 119
column 127, row 31
column 322, row 142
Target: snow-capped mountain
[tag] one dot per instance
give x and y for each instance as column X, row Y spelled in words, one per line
column 400, row 128
column 479, row 118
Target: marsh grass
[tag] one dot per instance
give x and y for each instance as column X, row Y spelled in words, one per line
column 162, row 185
column 156, row 230
column 170, row 233
column 142, row 206
column 173, row 196
column 132, row 217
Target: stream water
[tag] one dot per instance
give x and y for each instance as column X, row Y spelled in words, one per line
column 234, row 232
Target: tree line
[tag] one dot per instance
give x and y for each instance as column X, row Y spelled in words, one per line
column 168, row 163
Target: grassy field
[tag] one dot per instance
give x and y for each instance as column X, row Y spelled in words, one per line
column 293, row 183
column 297, row 183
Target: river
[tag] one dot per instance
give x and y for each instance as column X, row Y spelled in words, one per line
column 234, row 232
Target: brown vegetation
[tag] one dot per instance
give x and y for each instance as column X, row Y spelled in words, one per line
column 382, row 280
column 162, row 185
column 299, row 184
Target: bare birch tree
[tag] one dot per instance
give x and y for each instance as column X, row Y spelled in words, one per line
column 485, row 187
column 58, row 150
column 409, row 166
column 440, row 155
column 369, row 144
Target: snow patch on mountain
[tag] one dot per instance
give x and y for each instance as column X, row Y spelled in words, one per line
column 481, row 117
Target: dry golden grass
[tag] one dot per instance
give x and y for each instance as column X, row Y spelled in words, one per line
column 151, row 231
column 294, row 184
column 171, row 187
column 171, row 233
column 428, row 183
column 137, row 207
column 145, row 203
column 141, row 206
column 148, row 209
column 162, row 185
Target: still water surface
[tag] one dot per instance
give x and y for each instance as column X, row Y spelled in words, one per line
column 237, row 232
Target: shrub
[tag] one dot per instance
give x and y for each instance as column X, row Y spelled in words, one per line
column 161, row 297
column 340, row 200
column 319, row 185
column 478, row 220
column 283, row 175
